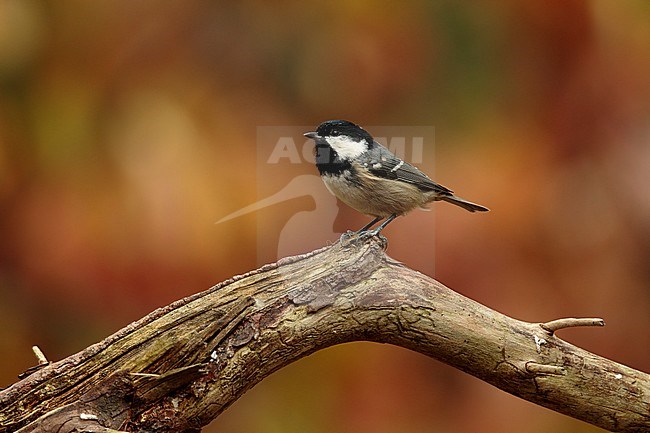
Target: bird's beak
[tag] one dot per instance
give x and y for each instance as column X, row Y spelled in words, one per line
column 313, row 135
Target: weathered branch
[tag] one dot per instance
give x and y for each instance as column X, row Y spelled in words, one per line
column 182, row 365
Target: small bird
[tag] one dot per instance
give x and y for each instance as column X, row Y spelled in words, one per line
column 370, row 179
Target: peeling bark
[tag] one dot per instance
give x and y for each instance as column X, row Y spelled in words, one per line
column 182, row 365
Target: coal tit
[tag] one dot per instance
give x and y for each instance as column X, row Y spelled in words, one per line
column 367, row 177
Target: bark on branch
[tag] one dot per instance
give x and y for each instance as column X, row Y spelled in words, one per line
column 182, row 365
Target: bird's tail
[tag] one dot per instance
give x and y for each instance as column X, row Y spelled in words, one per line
column 468, row 205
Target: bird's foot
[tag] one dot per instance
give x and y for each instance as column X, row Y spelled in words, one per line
column 350, row 237
column 383, row 240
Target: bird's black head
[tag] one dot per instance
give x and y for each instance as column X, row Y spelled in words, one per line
column 338, row 143
column 337, row 128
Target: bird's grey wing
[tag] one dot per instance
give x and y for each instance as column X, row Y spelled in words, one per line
column 384, row 164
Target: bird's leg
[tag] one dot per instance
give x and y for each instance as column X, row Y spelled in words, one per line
column 367, row 226
column 376, row 231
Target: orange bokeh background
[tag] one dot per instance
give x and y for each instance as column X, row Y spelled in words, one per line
column 127, row 128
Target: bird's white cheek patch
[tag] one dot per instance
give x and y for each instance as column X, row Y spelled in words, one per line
column 346, row 147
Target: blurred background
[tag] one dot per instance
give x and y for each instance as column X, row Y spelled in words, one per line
column 127, row 128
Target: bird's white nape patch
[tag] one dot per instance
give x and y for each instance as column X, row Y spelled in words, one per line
column 346, row 147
